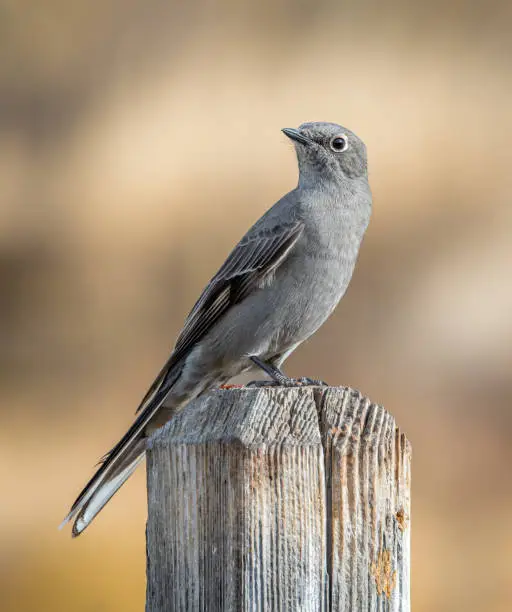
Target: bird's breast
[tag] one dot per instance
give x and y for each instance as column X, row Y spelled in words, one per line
column 308, row 288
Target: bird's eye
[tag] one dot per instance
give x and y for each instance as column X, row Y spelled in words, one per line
column 339, row 143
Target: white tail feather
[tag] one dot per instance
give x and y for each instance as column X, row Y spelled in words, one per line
column 101, row 496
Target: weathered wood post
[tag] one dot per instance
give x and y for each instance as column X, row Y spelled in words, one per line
column 289, row 499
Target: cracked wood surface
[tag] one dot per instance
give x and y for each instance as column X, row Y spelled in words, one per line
column 289, row 499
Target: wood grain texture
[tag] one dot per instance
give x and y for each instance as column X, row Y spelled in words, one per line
column 279, row 499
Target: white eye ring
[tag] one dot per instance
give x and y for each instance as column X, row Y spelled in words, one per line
column 339, row 143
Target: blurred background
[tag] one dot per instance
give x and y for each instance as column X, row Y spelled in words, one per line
column 138, row 141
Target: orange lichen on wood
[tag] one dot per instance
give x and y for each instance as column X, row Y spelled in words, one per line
column 336, row 431
column 402, row 519
column 385, row 578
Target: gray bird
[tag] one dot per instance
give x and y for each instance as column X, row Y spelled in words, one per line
column 278, row 285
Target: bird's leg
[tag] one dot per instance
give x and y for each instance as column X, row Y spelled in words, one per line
column 279, row 378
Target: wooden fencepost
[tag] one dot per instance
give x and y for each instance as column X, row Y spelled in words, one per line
column 285, row 499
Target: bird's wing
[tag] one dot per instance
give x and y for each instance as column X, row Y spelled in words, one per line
column 256, row 256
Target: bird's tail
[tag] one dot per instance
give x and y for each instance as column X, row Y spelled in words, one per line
column 117, row 465
column 99, row 490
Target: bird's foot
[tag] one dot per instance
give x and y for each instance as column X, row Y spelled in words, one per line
column 279, row 379
column 303, row 381
column 263, row 383
column 310, row 382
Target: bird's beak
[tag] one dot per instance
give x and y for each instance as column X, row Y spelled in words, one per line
column 296, row 135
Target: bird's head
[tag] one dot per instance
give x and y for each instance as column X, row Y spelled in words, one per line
column 329, row 150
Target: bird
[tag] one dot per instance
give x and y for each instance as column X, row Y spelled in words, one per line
column 276, row 288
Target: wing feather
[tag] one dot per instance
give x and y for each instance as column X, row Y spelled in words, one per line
column 256, row 256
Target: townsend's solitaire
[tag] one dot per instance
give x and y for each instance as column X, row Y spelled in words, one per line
column 275, row 289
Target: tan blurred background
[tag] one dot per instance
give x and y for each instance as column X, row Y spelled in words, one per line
column 138, row 140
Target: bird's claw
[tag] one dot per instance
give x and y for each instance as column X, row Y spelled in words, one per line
column 263, row 383
column 311, row 382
